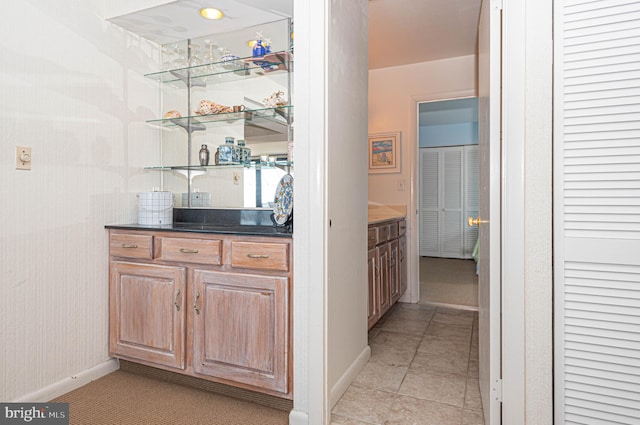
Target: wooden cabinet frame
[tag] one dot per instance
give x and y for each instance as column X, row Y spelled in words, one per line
column 216, row 307
column 387, row 267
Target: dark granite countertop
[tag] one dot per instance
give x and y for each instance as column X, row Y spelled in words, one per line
column 228, row 222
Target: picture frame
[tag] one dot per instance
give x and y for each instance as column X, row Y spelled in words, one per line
column 384, row 152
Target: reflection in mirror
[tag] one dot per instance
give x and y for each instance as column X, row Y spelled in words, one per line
column 231, row 187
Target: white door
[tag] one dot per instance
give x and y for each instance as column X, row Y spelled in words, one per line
column 597, row 212
column 489, row 279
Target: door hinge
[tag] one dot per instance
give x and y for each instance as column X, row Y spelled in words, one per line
column 496, row 390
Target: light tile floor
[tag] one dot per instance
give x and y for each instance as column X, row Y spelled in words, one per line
column 423, row 370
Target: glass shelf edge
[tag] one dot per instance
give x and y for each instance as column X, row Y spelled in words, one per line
column 217, row 166
column 248, row 115
column 169, row 75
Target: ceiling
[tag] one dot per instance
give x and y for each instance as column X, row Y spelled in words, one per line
column 401, row 32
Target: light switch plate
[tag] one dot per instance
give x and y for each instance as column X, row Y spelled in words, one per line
column 23, row 158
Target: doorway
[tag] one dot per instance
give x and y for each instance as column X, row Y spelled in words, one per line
column 448, row 194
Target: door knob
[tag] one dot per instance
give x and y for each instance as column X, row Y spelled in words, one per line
column 475, row 221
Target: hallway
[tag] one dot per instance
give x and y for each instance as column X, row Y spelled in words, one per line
column 423, row 370
column 448, row 281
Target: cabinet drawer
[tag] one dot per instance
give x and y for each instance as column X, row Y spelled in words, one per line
column 256, row 255
column 393, row 231
column 383, row 233
column 131, row 246
column 372, row 237
column 402, row 227
column 201, row 251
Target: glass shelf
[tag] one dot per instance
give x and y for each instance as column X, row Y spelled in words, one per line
column 226, row 71
column 281, row 116
column 253, row 164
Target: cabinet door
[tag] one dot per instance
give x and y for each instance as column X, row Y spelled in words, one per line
column 403, row 271
column 394, row 268
column 373, row 309
column 385, row 281
column 146, row 320
column 241, row 328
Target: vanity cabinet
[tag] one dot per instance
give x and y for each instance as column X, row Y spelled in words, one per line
column 216, row 307
column 387, row 267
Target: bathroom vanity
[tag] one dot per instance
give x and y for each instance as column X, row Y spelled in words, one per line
column 386, row 262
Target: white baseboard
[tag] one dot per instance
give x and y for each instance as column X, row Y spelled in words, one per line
column 297, row 417
column 71, row 383
column 348, row 377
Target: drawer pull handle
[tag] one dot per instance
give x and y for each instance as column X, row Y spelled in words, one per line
column 176, row 301
column 129, row 245
column 188, row 251
column 195, row 303
column 258, row 255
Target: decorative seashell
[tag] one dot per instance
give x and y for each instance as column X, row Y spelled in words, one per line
column 204, row 107
column 207, row 107
column 276, row 99
column 173, row 114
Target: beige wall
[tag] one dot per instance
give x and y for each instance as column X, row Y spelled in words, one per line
column 393, row 93
column 72, row 89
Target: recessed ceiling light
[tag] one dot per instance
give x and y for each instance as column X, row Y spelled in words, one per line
column 211, row 13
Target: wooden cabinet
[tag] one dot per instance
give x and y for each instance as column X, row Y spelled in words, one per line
column 387, row 267
column 394, row 271
column 373, row 309
column 146, row 312
column 239, row 326
column 403, row 274
column 210, row 306
column 384, row 276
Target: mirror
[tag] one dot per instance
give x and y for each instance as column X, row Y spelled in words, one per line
column 214, row 89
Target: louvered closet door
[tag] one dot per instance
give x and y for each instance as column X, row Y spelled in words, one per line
column 429, row 202
column 451, row 194
column 442, row 178
column 597, row 212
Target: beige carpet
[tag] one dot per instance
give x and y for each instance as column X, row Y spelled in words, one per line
column 127, row 398
column 448, row 281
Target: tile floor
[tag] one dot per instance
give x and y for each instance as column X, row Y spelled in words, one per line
column 423, row 370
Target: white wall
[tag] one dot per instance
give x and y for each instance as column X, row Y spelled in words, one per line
column 393, row 96
column 72, row 89
column 347, row 287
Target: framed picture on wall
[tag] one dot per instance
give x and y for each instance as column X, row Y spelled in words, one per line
column 384, row 152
